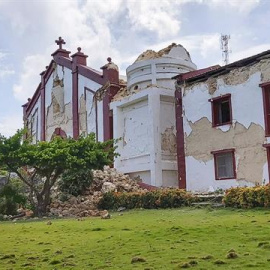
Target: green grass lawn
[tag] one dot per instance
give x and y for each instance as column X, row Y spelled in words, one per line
column 166, row 239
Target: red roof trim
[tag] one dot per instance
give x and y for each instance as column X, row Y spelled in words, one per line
column 66, row 62
column 33, row 101
column 91, row 74
column 63, row 61
column 191, row 74
column 226, row 69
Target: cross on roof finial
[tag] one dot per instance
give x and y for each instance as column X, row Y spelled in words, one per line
column 60, row 42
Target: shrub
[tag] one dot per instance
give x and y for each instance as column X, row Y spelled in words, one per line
column 75, row 182
column 248, row 197
column 163, row 198
column 10, row 199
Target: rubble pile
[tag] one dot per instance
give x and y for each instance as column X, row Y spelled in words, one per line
column 86, row 205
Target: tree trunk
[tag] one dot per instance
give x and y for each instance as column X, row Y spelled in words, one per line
column 43, row 202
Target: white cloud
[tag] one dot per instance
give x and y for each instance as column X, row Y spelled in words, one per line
column 241, row 6
column 5, row 69
column 120, row 29
column 157, row 16
column 10, row 124
column 249, row 52
column 30, row 78
column 6, row 72
column 72, row 23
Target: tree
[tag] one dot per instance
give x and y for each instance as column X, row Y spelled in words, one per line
column 40, row 165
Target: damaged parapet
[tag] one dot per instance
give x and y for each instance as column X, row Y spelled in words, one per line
column 157, row 68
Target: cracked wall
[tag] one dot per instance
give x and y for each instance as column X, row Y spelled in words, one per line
column 136, row 132
column 61, row 120
column 246, row 134
column 58, row 102
column 167, row 128
column 168, row 140
column 250, row 154
column 82, row 115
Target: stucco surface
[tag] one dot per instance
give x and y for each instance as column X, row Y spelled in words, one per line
column 250, row 153
column 61, row 120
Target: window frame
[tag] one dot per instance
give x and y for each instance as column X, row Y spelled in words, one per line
column 266, row 107
column 215, row 114
column 215, row 154
column 267, row 147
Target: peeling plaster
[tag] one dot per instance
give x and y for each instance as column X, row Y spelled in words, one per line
column 247, row 142
column 168, row 140
column 82, row 115
column 243, row 97
column 212, row 85
column 61, row 120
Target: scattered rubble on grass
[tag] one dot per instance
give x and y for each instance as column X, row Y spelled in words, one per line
column 86, row 205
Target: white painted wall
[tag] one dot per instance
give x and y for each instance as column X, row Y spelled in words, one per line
column 91, row 106
column 201, row 177
column 66, row 75
column 35, row 116
column 139, row 120
column 243, row 96
column 64, row 119
column 85, row 82
column 158, row 71
column 146, row 117
column 247, row 108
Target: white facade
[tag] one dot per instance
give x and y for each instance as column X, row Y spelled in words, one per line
column 246, row 133
column 144, row 119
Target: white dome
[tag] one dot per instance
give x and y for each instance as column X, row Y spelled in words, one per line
column 157, row 68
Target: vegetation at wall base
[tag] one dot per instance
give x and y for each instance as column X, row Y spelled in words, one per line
column 247, row 197
column 11, row 197
column 161, row 198
column 40, row 165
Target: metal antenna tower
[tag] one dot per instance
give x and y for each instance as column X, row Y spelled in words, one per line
column 224, row 45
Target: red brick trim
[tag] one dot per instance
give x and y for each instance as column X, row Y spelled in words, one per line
column 111, row 76
column 91, row 74
column 219, row 97
column 75, row 101
column 214, row 113
column 264, row 84
column 43, row 109
column 33, row 101
column 60, row 132
column 63, row 61
column 215, row 153
column 266, row 104
column 267, row 146
column 180, row 140
column 146, row 186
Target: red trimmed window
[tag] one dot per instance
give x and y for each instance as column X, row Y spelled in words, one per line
column 221, row 110
column 224, row 164
column 266, row 105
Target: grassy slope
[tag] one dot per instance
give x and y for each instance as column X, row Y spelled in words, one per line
column 165, row 238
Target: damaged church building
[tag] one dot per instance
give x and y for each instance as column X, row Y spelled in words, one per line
column 175, row 126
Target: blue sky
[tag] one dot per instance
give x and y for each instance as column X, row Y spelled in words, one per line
column 119, row 29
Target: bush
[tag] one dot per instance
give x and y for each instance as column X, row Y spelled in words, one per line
column 248, row 197
column 163, row 198
column 75, row 182
column 10, row 199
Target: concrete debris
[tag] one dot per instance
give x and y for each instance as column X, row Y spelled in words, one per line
column 105, row 214
column 86, row 205
column 123, row 92
column 150, row 54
